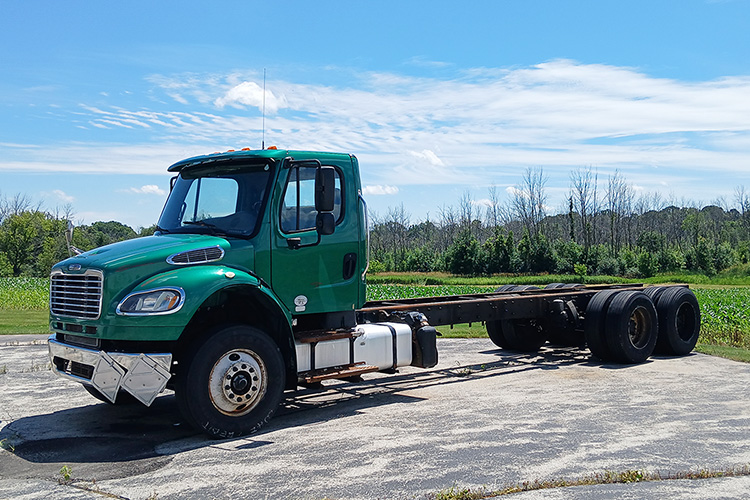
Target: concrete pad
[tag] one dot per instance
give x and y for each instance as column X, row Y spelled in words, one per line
column 482, row 418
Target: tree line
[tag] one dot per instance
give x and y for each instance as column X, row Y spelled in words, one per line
column 33, row 239
column 607, row 228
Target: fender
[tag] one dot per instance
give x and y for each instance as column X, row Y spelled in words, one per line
column 201, row 285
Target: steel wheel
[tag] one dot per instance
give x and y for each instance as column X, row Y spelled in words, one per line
column 631, row 327
column 640, row 327
column 237, row 382
column 231, row 384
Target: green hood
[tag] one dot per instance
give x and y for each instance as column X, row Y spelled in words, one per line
column 127, row 263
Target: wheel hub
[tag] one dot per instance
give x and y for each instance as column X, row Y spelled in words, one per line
column 638, row 326
column 237, row 382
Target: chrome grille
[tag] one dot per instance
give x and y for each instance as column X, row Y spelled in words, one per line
column 198, row 256
column 76, row 295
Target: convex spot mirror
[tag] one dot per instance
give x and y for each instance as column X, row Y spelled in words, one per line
column 325, row 189
column 325, row 223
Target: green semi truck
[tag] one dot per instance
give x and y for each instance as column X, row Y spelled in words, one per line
column 254, row 284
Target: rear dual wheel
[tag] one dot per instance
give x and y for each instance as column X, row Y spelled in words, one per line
column 632, row 327
column 628, row 326
column 621, row 326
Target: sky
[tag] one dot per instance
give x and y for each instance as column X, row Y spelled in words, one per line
column 440, row 101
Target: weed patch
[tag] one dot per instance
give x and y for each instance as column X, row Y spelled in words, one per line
column 607, row 477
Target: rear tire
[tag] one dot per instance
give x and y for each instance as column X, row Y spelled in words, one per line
column 522, row 335
column 654, row 292
column 233, row 382
column 594, row 324
column 679, row 322
column 631, row 327
column 516, row 335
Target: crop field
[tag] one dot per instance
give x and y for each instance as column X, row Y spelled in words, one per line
column 24, row 294
column 725, row 311
column 725, row 316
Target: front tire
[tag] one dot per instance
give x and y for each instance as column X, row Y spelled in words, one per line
column 233, row 382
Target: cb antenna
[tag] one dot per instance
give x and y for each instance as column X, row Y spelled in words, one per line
column 263, row 136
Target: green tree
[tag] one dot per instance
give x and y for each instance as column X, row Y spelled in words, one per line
column 497, row 253
column 648, row 264
column 18, row 235
column 462, row 257
column 536, row 254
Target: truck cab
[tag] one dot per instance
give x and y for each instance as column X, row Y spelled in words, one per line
column 254, row 250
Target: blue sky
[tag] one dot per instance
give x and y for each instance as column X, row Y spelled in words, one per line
column 438, row 100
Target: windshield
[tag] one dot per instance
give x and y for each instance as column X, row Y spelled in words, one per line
column 227, row 202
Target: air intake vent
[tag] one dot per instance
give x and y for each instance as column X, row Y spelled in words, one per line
column 199, row 256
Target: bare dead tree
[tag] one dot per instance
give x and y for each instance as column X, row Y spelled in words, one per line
column 528, row 200
column 583, row 195
column 619, row 198
column 494, row 208
column 742, row 199
column 449, row 224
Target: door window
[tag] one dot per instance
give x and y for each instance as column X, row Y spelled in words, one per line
column 298, row 207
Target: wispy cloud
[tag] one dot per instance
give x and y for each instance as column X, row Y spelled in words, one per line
column 483, row 125
column 151, row 189
column 379, row 190
column 59, row 195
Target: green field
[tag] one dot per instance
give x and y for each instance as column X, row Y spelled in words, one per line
column 725, row 328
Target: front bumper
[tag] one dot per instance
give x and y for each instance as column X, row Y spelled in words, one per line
column 142, row 375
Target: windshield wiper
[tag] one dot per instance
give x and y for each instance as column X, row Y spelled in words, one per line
column 162, row 230
column 214, row 228
column 200, row 223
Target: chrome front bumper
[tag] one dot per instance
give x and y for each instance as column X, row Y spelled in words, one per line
column 142, row 375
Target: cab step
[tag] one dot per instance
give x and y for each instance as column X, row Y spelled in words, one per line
column 346, row 372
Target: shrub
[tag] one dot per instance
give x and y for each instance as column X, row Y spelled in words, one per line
column 648, row 265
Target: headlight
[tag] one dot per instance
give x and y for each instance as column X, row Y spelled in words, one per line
column 161, row 301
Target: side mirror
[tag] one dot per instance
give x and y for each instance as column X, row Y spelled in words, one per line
column 325, row 189
column 69, row 240
column 325, row 223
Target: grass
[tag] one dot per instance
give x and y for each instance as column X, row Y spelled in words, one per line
column 734, row 353
column 14, row 321
column 607, row 477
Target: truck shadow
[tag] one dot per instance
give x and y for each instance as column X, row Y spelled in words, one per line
column 108, row 442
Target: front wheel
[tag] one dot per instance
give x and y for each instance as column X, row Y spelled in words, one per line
column 233, row 382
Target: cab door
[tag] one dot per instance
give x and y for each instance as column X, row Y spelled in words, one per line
column 314, row 273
